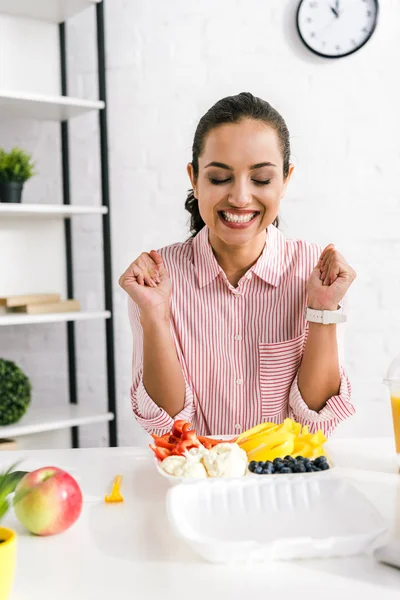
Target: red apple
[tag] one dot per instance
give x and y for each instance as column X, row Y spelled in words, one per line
column 47, row 501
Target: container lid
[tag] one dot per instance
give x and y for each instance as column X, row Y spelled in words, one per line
column 393, row 374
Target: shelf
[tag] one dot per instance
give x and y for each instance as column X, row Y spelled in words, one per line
column 18, row 319
column 38, row 420
column 63, row 211
column 54, row 11
column 45, row 108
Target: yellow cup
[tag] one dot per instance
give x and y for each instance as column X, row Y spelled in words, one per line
column 8, row 543
column 394, row 387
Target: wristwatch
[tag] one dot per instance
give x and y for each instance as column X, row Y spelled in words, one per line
column 326, row 317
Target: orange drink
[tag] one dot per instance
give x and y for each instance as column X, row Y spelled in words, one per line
column 396, row 420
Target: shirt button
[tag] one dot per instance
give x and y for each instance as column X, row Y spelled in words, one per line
column 238, row 338
column 238, row 427
column 239, row 381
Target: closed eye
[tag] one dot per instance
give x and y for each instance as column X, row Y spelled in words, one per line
column 219, row 181
column 265, row 182
column 222, row 181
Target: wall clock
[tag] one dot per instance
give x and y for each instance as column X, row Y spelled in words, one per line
column 336, row 28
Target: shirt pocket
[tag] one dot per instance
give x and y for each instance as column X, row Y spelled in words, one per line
column 279, row 364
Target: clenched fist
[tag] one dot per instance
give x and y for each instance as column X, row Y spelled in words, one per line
column 147, row 282
column 329, row 281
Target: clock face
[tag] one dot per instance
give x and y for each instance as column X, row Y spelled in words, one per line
column 336, row 28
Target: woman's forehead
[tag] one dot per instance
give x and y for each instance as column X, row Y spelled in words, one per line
column 248, row 141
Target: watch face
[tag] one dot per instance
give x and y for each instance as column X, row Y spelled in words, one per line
column 336, row 28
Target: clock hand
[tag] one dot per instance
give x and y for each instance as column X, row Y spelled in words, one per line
column 335, row 12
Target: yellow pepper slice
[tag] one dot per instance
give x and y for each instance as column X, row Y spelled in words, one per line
column 258, row 429
column 277, row 444
column 263, row 453
column 115, row 495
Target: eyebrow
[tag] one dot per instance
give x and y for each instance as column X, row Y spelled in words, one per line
column 228, row 168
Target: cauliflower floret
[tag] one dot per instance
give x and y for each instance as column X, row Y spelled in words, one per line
column 194, row 470
column 174, row 465
column 226, row 460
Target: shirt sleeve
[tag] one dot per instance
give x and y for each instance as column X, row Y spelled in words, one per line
column 337, row 409
column 147, row 413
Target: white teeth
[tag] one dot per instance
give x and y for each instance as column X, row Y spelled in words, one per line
column 238, row 218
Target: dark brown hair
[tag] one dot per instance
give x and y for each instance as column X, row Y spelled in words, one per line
column 234, row 109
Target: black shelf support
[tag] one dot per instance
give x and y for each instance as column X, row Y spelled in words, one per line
column 107, row 261
column 105, row 192
column 71, row 342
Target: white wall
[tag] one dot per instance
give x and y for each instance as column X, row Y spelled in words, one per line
column 167, row 63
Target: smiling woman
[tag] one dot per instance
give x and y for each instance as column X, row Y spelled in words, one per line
column 237, row 325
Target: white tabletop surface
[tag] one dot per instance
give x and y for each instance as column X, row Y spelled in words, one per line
column 126, row 551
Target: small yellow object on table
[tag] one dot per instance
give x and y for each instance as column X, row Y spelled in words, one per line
column 115, row 495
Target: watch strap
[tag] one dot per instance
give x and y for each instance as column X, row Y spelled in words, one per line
column 325, row 317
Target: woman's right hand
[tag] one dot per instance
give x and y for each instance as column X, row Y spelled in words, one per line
column 147, row 282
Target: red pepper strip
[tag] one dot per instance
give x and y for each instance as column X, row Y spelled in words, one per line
column 161, row 443
column 178, row 428
column 205, row 440
column 160, row 437
column 206, row 445
column 185, row 445
column 173, row 440
column 189, row 435
column 186, row 427
column 188, row 440
column 160, row 453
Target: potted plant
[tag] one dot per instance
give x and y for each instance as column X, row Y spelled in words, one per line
column 16, row 167
column 15, row 392
column 8, row 539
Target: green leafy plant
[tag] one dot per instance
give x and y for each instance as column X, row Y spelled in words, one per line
column 8, row 483
column 15, row 392
column 15, row 165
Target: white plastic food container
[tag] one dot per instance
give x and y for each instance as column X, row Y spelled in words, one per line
column 173, row 480
column 262, row 518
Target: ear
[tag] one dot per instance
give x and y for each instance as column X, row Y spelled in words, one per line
column 190, row 172
column 289, row 175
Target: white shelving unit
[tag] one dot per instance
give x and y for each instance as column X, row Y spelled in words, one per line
column 53, row 11
column 44, row 108
column 45, row 77
column 39, row 420
column 22, row 319
column 50, row 211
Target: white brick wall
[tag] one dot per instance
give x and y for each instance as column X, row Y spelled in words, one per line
column 168, row 62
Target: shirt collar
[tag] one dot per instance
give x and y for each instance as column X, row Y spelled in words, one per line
column 268, row 267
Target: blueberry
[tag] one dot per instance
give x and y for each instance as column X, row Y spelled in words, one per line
column 258, row 469
column 315, row 468
column 268, row 466
column 306, row 461
column 287, row 457
column 309, row 468
column 278, row 461
column 300, row 459
column 299, row 468
column 324, row 466
column 321, row 460
column 286, row 470
column 252, row 465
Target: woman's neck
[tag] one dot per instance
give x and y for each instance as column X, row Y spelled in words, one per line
column 235, row 261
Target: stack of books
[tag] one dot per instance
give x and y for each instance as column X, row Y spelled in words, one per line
column 37, row 304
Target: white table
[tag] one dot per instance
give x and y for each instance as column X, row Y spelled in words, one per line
column 128, row 551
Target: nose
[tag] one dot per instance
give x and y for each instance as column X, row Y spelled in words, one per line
column 240, row 195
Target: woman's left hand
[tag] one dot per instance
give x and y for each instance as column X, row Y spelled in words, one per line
column 329, row 281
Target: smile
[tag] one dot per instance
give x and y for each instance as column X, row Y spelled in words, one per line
column 235, row 218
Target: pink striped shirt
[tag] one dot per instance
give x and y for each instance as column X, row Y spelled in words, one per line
column 239, row 348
